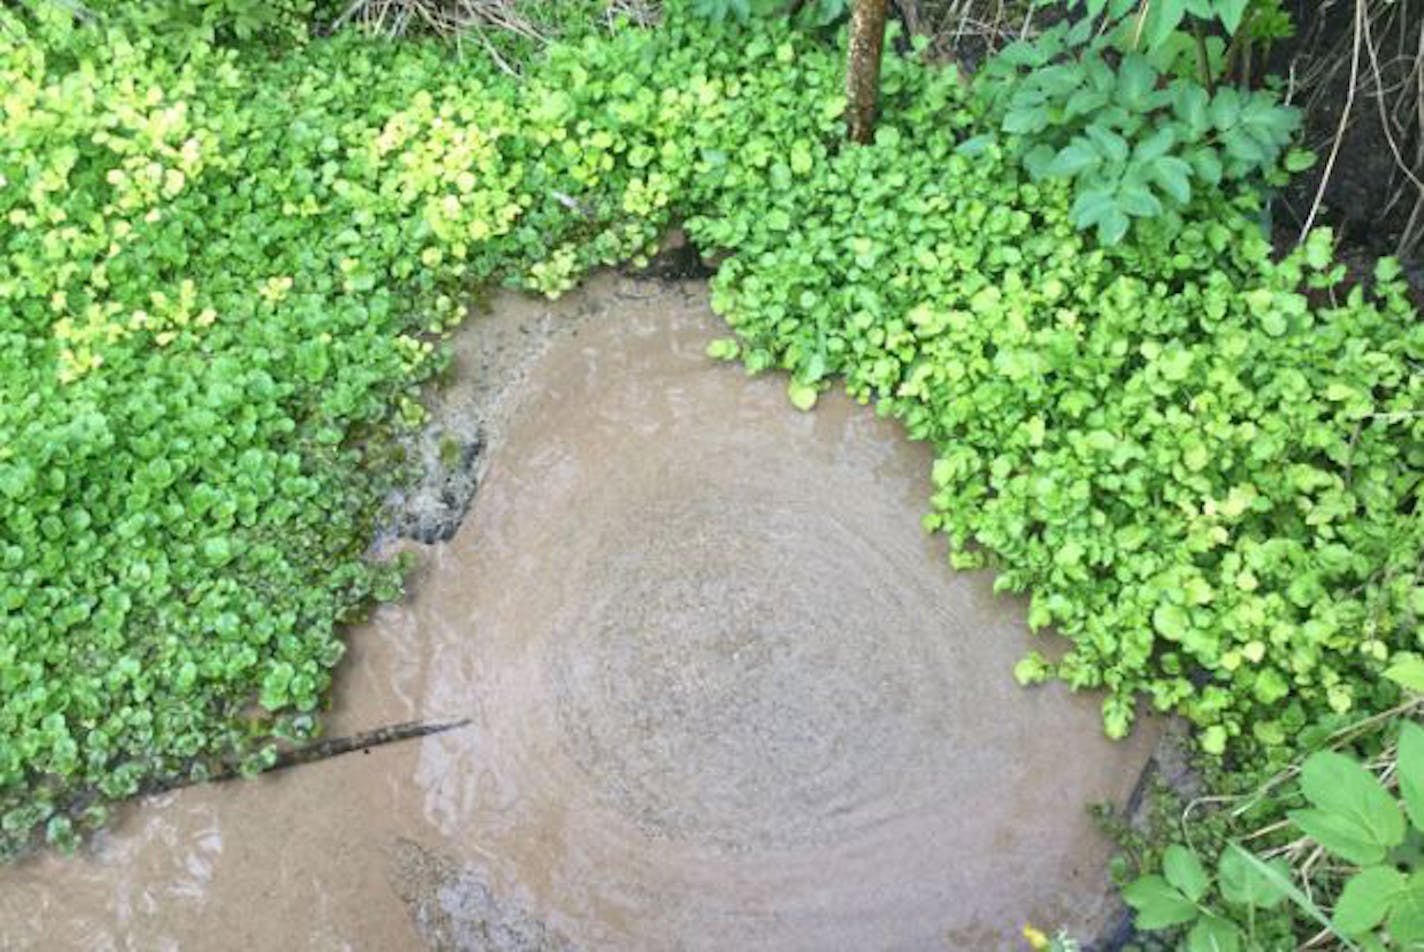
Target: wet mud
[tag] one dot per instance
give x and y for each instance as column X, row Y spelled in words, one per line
column 723, row 694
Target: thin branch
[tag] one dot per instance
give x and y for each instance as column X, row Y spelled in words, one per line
column 1344, row 124
column 1384, row 113
column 321, row 750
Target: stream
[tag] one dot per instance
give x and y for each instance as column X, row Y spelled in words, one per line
column 724, row 693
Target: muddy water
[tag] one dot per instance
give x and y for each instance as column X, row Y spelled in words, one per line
column 724, row 695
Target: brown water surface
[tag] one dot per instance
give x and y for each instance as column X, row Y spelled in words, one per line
column 724, row 694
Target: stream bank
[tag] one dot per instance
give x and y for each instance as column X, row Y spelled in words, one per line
column 723, row 691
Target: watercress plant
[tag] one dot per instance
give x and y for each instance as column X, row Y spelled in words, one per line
column 225, row 277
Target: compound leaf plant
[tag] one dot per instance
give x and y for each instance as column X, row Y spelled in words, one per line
column 1096, row 101
column 1371, row 839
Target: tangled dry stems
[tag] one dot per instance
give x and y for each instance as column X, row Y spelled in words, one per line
column 479, row 20
column 1303, row 854
column 1381, row 61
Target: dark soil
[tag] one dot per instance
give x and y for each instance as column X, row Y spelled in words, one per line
column 1368, row 197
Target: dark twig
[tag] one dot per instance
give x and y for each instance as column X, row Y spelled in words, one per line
column 321, row 750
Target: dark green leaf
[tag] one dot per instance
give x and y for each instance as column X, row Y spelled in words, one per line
column 1138, row 201
column 1163, row 17
column 1190, row 103
column 1206, row 164
column 1136, row 78
column 1109, row 144
column 1112, row 227
column 1173, row 176
column 1231, row 12
column 1225, row 109
column 1078, row 156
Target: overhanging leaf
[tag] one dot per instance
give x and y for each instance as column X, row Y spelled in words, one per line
column 1230, row 12
column 1163, row 18
column 1408, row 673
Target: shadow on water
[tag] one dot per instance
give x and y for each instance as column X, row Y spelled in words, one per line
column 723, row 694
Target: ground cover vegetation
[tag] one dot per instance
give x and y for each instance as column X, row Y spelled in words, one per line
column 1322, row 854
column 229, row 254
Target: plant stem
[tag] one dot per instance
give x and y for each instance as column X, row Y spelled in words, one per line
column 867, row 41
column 1142, row 12
column 1203, row 59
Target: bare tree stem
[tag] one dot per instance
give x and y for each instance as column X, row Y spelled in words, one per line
column 867, row 40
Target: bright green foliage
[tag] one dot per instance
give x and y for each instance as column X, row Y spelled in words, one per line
column 1181, row 897
column 813, row 13
column 1136, row 142
column 223, row 277
column 1170, row 899
column 184, row 21
column 1379, row 902
column 1207, row 480
column 189, row 383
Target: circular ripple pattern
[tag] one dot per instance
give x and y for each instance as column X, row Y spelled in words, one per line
column 727, row 693
column 743, row 681
column 723, row 695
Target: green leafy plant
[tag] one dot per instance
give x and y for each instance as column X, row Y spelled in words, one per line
column 1136, row 143
column 809, row 13
column 1212, row 40
column 226, row 277
column 1352, row 818
column 276, row 22
column 1163, row 442
column 223, row 281
column 1208, row 908
column 1152, row 24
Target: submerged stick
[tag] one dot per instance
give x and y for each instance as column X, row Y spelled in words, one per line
column 311, row 753
column 336, row 746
